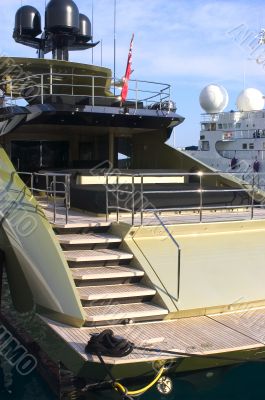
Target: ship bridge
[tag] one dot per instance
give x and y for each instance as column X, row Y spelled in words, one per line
column 70, row 115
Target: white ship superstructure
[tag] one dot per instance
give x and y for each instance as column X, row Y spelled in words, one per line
column 232, row 141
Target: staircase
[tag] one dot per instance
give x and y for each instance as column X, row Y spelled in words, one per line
column 109, row 286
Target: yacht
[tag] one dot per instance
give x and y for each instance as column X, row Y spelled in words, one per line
column 232, row 141
column 123, row 260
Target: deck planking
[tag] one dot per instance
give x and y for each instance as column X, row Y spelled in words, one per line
column 204, row 335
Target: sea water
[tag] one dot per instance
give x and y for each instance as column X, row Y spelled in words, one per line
column 13, row 386
column 241, row 382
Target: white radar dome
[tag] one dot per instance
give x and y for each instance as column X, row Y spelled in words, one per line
column 213, row 98
column 250, row 100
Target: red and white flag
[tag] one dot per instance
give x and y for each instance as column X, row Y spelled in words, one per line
column 125, row 87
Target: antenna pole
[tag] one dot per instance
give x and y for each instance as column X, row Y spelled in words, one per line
column 244, row 76
column 101, row 52
column 92, row 17
column 114, row 47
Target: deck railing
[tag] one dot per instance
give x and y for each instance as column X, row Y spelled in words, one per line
column 52, row 187
column 133, row 198
column 231, row 116
column 96, row 89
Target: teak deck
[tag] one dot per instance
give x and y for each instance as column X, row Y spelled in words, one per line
column 205, row 335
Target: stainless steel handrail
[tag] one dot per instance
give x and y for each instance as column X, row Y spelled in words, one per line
column 47, row 83
column 250, row 188
column 178, row 247
column 51, row 189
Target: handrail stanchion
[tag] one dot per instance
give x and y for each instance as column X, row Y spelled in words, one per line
column 54, row 198
column 107, row 198
column 142, row 200
column 136, row 94
column 41, row 88
column 93, row 90
column 31, row 183
column 67, row 197
column 117, row 199
column 11, row 90
column 47, row 188
column 51, row 80
column 133, row 200
column 252, row 197
column 200, row 175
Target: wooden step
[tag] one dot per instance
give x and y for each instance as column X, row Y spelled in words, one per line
column 89, row 238
column 114, row 291
column 123, row 311
column 97, row 255
column 110, row 272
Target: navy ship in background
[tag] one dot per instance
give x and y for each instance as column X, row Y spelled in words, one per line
column 109, row 233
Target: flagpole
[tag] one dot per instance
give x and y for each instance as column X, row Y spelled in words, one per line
column 125, row 87
column 114, row 46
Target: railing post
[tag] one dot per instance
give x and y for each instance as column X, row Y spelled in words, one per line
column 54, row 198
column 136, row 94
column 41, row 89
column 201, row 200
column 51, row 80
column 117, row 200
column 179, row 266
column 11, row 90
column 93, row 90
column 47, row 188
column 31, row 183
column 133, row 203
column 107, row 198
column 67, row 197
column 142, row 200
column 252, row 197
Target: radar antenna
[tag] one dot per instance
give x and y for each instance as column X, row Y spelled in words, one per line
column 65, row 29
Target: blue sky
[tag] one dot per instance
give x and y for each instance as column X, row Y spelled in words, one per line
column 187, row 43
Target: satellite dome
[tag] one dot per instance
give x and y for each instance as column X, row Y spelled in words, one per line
column 250, row 100
column 62, row 15
column 84, row 33
column 28, row 21
column 213, row 98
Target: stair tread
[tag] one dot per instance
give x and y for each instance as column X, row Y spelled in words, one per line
column 117, row 271
column 89, row 238
column 114, row 291
column 97, row 255
column 123, row 311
